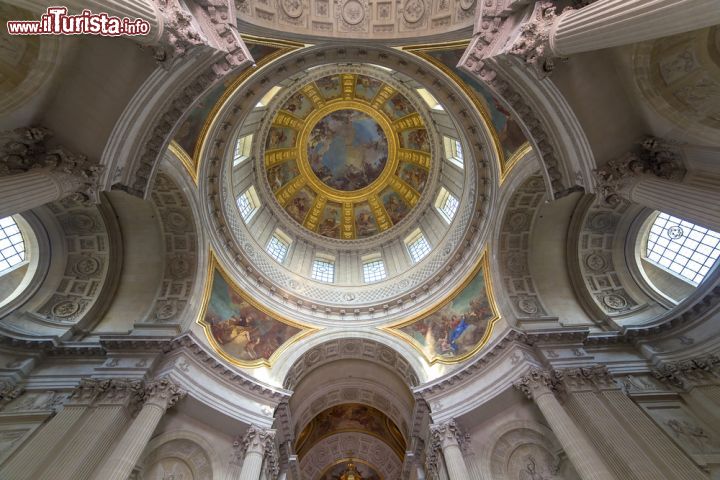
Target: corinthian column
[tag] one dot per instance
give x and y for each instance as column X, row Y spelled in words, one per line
column 447, row 437
column 542, row 35
column 38, row 450
column 540, row 386
column 32, row 173
column 651, row 176
column 257, row 445
column 609, row 23
column 158, row 397
column 99, row 428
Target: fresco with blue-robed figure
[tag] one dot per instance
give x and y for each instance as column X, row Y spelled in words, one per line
column 456, row 329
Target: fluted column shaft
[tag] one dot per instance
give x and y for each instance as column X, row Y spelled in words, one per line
column 676, row 464
column 581, row 453
column 610, row 23
column 447, row 436
column 98, row 430
column 689, row 202
column 252, row 465
column 33, row 455
column 160, row 396
column 626, row 458
column 28, row 459
column 24, row 191
column 257, row 445
column 539, row 386
column 142, row 9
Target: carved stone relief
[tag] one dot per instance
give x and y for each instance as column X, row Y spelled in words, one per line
column 526, row 454
column 350, row 348
column 180, row 249
column 178, row 459
column 689, row 432
column 595, row 260
column 87, row 266
column 360, row 18
column 514, row 246
column 362, row 446
column 678, row 77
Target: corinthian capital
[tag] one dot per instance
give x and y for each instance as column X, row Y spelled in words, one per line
column 163, row 393
column 447, row 434
column 539, row 382
column 28, row 148
column 533, row 42
column 88, row 391
column 9, row 391
column 690, row 373
column 258, row 440
column 588, row 378
column 652, row 157
column 180, row 31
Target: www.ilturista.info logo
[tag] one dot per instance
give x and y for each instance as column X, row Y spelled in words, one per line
column 56, row 21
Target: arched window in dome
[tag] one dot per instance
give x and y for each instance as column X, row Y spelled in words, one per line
column 454, row 151
column 682, row 248
column 446, row 204
column 323, row 269
column 248, row 203
column 278, row 246
column 373, row 268
column 12, row 245
column 417, row 245
column 242, row 149
column 268, row 96
column 429, row 99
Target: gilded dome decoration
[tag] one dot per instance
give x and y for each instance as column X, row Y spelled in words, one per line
column 347, row 156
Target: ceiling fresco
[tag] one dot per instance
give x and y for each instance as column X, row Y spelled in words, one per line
column 240, row 329
column 457, row 328
column 347, row 156
column 350, row 417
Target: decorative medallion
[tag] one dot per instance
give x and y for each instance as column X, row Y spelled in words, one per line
column 414, row 10
column 596, row 262
column 616, row 302
column 65, row 309
column 292, row 8
column 528, row 306
column 86, row 266
column 353, row 12
column 347, row 156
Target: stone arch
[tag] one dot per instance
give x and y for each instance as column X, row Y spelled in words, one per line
column 514, row 445
column 373, row 347
column 83, row 252
column 180, row 452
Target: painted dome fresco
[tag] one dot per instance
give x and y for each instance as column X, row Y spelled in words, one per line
column 347, row 156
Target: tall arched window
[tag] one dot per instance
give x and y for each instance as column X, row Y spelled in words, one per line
column 12, row 245
column 682, row 248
